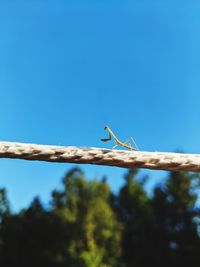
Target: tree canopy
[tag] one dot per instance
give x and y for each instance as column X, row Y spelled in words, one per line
column 86, row 225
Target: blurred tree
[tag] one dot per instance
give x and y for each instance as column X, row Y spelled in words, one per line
column 4, row 203
column 87, row 226
column 4, row 213
column 134, row 209
column 34, row 237
column 95, row 232
column 176, row 217
column 161, row 230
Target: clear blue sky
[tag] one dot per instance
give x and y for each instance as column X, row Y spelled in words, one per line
column 67, row 67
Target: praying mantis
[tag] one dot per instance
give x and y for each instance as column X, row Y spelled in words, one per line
column 117, row 141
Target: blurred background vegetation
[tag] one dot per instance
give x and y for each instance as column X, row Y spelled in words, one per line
column 86, row 225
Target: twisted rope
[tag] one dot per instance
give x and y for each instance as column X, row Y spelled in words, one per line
column 101, row 156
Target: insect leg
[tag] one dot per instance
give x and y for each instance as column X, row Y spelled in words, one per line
column 134, row 143
column 106, row 139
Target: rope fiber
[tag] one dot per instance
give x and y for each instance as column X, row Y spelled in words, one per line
column 102, row 156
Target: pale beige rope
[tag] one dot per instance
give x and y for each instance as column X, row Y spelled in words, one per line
column 101, row 156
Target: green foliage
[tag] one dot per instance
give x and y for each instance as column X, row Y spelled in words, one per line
column 88, row 226
column 160, row 230
column 4, row 203
column 95, row 230
column 134, row 210
column 174, row 220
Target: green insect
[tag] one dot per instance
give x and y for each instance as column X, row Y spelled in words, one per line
column 117, row 141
